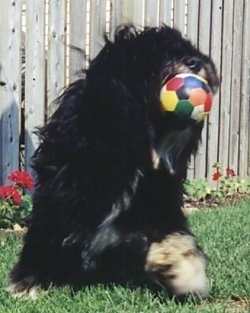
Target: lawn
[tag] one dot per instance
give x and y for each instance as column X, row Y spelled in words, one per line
column 224, row 234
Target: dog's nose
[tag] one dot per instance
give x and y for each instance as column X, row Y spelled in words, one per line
column 194, row 63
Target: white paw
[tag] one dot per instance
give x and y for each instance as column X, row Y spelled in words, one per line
column 179, row 265
column 31, row 293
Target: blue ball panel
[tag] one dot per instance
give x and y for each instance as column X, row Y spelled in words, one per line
column 192, row 82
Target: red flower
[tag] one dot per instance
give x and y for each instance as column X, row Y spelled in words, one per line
column 22, row 179
column 216, row 175
column 230, row 172
column 10, row 192
column 16, row 197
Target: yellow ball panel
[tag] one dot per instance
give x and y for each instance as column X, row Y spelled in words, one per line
column 169, row 100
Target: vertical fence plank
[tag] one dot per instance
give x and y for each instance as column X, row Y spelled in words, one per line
column 77, row 37
column 244, row 152
column 226, row 70
column 134, row 12
column 193, row 20
column 35, row 75
column 56, row 51
column 126, row 7
column 10, row 86
column 192, row 34
column 213, row 125
column 116, row 14
column 204, row 33
column 97, row 26
column 127, row 11
column 180, row 16
column 139, row 13
column 236, row 85
column 166, row 12
column 152, row 8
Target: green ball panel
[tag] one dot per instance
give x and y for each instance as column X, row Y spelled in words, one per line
column 184, row 108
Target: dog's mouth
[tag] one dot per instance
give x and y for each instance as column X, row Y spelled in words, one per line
column 173, row 148
column 192, row 65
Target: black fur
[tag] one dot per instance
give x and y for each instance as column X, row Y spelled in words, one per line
column 99, row 199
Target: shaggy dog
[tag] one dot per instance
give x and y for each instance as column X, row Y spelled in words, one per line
column 110, row 168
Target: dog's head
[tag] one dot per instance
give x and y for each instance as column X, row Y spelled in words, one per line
column 159, row 54
column 143, row 61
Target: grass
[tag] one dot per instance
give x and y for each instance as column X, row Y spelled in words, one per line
column 224, row 235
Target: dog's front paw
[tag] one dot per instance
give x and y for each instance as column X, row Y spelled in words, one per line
column 19, row 291
column 179, row 265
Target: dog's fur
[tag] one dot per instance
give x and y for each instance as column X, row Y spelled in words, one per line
column 110, row 168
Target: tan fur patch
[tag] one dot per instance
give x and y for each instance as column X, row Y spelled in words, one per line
column 156, row 159
column 178, row 264
column 31, row 294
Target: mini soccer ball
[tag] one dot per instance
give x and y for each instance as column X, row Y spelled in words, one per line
column 187, row 96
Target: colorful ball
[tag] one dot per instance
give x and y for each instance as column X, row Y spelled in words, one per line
column 188, row 96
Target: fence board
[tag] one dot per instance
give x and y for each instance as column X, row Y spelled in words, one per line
column 116, row 14
column 204, row 32
column 152, row 8
column 226, row 69
column 35, row 75
column 236, row 85
column 193, row 20
column 180, row 15
column 192, row 34
column 213, row 126
column 133, row 12
column 97, row 26
column 166, row 12
column 126, row 11
column 139, row 13
column 77, row 37
column 56, row 72
column 244, row 159
column 10, row 86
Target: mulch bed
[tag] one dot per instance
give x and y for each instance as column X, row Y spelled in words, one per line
column 17, row 231
column 191, row 205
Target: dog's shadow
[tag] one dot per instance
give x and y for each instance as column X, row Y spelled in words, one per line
column 152, row 290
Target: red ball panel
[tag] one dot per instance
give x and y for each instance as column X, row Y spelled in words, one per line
column 208, row 102
column 175, row 83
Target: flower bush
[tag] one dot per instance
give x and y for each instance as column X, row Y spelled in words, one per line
column 229, row 187
column 15, row 205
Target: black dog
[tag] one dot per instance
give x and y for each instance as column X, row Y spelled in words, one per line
column 110, row 168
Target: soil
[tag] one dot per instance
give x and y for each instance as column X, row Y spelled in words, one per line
column 191, row 205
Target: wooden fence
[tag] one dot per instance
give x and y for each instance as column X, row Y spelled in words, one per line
column 45, row 30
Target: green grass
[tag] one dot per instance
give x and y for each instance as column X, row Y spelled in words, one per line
column 224, row 235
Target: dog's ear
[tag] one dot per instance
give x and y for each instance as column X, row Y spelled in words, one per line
column 60, row 137
column 62, row 125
